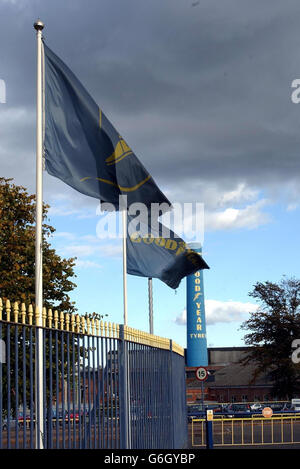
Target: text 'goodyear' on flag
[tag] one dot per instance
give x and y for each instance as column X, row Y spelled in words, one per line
column 151, row 255
column 83, row 149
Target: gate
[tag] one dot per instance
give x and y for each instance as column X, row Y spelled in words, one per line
column 104, row 385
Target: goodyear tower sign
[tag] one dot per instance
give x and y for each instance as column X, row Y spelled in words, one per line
column 196, row 323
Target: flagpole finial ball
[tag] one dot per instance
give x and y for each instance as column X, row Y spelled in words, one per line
column 39, row 25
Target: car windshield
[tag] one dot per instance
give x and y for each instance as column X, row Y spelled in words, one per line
column 240, row 407
column 196, row 408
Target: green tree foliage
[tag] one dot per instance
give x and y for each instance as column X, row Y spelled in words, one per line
column 17, row 282
column 17, row 252
column 271, row 331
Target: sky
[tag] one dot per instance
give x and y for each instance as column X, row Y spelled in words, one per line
column 201, row 90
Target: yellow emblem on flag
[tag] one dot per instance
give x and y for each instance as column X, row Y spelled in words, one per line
column 121, row 150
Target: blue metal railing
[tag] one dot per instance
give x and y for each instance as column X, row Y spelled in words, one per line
column 99, row 391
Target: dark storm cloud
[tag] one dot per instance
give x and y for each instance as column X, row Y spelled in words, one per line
column 201, row 94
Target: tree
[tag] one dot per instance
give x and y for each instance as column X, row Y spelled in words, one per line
column 17, row 252
column 272, row 329
column 17, row 277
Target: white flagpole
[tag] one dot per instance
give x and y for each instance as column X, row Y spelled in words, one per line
column 150, row 295
column 39, row 417
column 124, row 223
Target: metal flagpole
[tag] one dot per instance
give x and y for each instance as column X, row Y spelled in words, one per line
column 39, row 417
column 150, row 295
column 126, row 353
column 124, row 223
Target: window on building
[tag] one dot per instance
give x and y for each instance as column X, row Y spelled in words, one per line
column 244, row 398
column 233, row 398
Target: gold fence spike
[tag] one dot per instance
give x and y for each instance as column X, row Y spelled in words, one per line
column 105, row 329
column 62, row 321
column 30, row 314
column 16, row 311
column 101, row 328
column 83, row 325
column 56, row 319
column 93, row 326
column 50, row 317
column 97, row 327
column 37, row 316
column 73, row 322
column 67, row 322
column 109, row 329
column 88, row 324
column 77, row 323
column 44, row 316
column 8, row 309
column 23, row 313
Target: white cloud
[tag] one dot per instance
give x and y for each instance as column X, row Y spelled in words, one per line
column 239, row 195
column 88, row 264
column 64, row 235
column 80, row 250
column 87, row 246
column 249, row 217
column 222, row 312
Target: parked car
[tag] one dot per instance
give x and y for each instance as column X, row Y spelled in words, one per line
column 256, row 407
column 295, row 404
column 27, row 419
column 287, row 408
column 195, row 412
column 218, row 409
column 238, row 410
column 277, row 407
column 11, row 423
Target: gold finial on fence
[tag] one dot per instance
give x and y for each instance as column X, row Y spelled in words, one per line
column 67, row 322
column 83, row 324
column 110, row 329
column 97, row 327
column 56, row 319
column 101, row 328
column 30, row 314
column 73, row 323
column 50, row 316
column 23, row 313
column 16, row 311
column 77, row 323
column 88, row 324
column 37, row 316
column 105, row 329
column 7, row 307
column 44, row 316
column 62, row 321
column 114, row 330
column 93, row 326
column 118, row 331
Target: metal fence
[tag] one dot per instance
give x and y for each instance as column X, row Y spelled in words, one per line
column 250, row 431
column 104, row 385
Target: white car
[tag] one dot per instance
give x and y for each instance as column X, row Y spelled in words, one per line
column 256, row 406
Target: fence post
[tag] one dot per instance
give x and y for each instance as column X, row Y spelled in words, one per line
column 209, row 432
column 124, row 396
column 172, row 395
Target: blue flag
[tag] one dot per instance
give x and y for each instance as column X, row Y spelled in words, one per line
column 83, row 149
column 150, row 254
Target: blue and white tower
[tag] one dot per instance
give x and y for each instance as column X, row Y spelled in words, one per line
column 195, row 313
